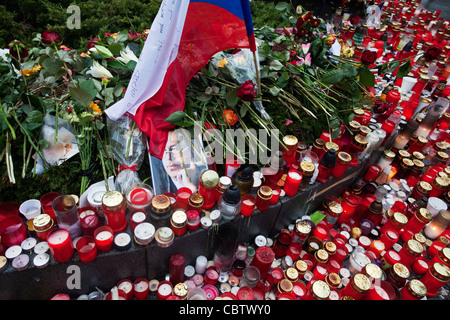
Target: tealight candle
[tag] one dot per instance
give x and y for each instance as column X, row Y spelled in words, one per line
column 164, row 290
column 127, row 286
column 136, row 218
column 60, row 245
column 104, row 238
column 141, row 288
column 248, row 205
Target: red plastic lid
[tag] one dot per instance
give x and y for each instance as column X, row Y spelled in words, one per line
column 228, row 295
column 299, row 288
column 287, row 296
column 245, row 293
column 192, row 214
column 258, row 294
column 277, row 274
column 173, row 297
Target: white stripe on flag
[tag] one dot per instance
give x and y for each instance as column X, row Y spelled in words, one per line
column 160, row 50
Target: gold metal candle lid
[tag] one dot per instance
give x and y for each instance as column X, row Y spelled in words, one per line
column 330, row 247
column 112, row 199
column 424, row 187
column 440, row 271
column 364, row 130
column 331, row 145
column 209, row 179
column 403, row 154
column 418, row 164
column 416, row 288
column 440, row 182
column 307, row 168
column 354, row 125
column 42, row 222
column 424, row 215
column 301, row 266
column 161, row 203
column 418, row 155
column 335, row 208
column 388, row 154
column 196, row 199
column 265, row 192
column 344, row 157
column 290, row 141
column 180, row 290
column 373, row 271
column 361, row 283
column 444, row 254
column 303, row 227
column 414, row 247
column 360, row 141
column 291, row 274
column 399, row 219
column 320, row 289
column 358, row 112
column 321, row 255
column 333, row 279
column 407, row 163
column 420, row 238
column 285, row 285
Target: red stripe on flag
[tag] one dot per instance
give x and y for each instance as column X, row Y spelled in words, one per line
column 208, row 29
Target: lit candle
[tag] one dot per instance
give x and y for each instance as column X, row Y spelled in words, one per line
column 86, row 248
column 104, row 238
column 141, row 288
column 60, row 245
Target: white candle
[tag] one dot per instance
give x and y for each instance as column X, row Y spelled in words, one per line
column 58, row 237
column 86, row 213
column 141, row 286
column 165, row 289
column 294, row 175
column 433, row 230
column 200, row 264
column 114, row 293
column 138, row 217
column 103, row 235
column 126, row 286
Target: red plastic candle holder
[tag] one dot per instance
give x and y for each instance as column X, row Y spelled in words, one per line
column 86, row 248
column 60, row 245
column 248, row 205
column 141, row 288
column 104, row 237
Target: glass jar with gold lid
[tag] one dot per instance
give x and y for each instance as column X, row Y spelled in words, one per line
column 422, row 189
column 397, row 275
column 307, row 169
column 43, row 224
column 357, row 287
column 436, row 277
column 343, row 160
column 208, row 181
column 414, row 289
column 160, row 211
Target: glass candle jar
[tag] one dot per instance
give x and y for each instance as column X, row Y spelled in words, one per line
column 406, row 166
column 389, row 258
column 410, row 251
column 196, row 202
column 416, row 223
column 160, row 211
column 263, row 197
column 417, row 143
column 349, row 204
column 178, row 223
column 397, row 275
column 193, row 222
column 207, row 185
column 396, row 222
column 342, row 163
column 389, row 237
column 357, row 287
column 263, row 258
column 422, row 189
column 293, row 180
column 89, row 223
column 439, row 186
column 290, row 149
column 60, row 245
column 333, row 211
column 66, row 212
column 114, row 208
column 436, row 277
column 43, row 224
column 358, row 144
column 224, row 183
column 230, row 203
column 437, row 225
column 386, row 159
column 319, row 290
column 301, row 232
column 248, row 205
column 307, row 169
column 182, row 198
column 139, row 197
column 281, row 243
column 326, row 165
column 177, row 263
column 318, row 147
column 414, row 289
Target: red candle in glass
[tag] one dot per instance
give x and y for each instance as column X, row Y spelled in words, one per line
column 12, row 230
column 420, row 266
column 126, row 285
column 86, row 248
column 46, row 203
column 416, row 223
column 413, row 290
column 281, row 243
column 104, row 237
column 293, row 180
column 275, row 195
column 263, row 259
column 137, row 218
column 182, row 198
column 193, row 222
column 248, row 205
column 293, row 251
column 435, row 247
column 342, row 163
column 442, row 256
column 341, row 252
column 141, row 288
column 334, row 265
column 207, row 185
column 263, row 197
column 435, row 278
column 320, row 233
column 381, row 290
column 60, row 245
column 349, row 204
column 164, row 289
column 177, row 263
column 410, row 251
column 357, row 287
column 89, row 223
column 245, row 293
column 266, row 282
column 211, row 275
column 277, row 274
column 389, row 238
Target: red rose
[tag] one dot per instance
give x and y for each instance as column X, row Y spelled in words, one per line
column 17, row 48
column 432, row 52
column 368, row 57
column 49, row 37
column 247, row 91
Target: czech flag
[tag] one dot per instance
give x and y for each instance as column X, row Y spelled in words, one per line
column 183, row 37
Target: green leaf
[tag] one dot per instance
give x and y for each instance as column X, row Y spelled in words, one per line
column 81, row 96
column 89, row 87
column 231, row 98
column 349, row 70
column 175, row 117
column 276, row 65
column 104, row 52
column 52, row 66
column 383, row 68
column 366, row 77
column 404, row 69
column 115, row 49
column 333, row 76
column 274, row 91
column 282, row 6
